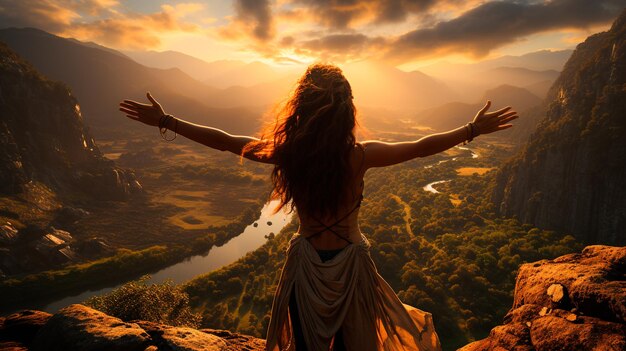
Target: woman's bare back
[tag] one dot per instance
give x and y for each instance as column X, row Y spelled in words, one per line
column 338, row 231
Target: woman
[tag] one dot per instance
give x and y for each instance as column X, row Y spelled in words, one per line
column 329, row 294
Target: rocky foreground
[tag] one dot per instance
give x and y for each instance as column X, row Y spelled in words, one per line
column 80, row 328
column 574, row 302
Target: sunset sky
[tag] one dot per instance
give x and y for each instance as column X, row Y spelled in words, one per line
column 406, row 33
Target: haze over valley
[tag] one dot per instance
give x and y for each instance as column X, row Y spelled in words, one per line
column 91, row 201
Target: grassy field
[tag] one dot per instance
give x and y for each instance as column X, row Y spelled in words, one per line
column 468, row 171
column 193, row 198
column 183, row 196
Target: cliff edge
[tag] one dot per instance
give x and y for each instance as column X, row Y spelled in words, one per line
column 80, row 328
column 573, row 302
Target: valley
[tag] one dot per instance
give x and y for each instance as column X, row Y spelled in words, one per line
column 445, row 252
column 90, row 200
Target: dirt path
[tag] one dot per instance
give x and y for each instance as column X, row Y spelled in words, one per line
column 407, row 213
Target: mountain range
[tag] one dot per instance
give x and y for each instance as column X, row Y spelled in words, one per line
column 221, row 73
column 234, row 95
column 100, row 79
column 454, row 114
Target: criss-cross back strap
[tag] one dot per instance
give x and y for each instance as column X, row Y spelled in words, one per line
column 330, row 227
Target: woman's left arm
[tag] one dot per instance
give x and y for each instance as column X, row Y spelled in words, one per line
column 212, row 137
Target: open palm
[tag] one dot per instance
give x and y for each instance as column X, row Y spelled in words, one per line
column 149, row 114
column 489, row 122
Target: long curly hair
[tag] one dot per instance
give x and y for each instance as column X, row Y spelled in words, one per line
column 310, row 143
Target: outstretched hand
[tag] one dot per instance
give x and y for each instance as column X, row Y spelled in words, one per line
column 149, row 114
column 489, row 122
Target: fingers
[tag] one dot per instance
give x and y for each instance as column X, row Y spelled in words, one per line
column 504, row 126
column 510, row 113
column 499, row 112
column 136, row 104
column 486, row 108
column 152, row 100
column 129, row 111
column 508, row 119
column 131, row 107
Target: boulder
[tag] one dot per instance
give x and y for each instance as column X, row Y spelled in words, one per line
column 94, row 247
column 12, row 346
column 23, row 326
column 181, row 338
column 551, row 333
column 593, row 282
column 78, row 328
column 236, row 341
column 70, row 215
column 8, row 233
column 61, row 234
column 573, row 302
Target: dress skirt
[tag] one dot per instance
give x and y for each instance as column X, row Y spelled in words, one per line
column 344, row 294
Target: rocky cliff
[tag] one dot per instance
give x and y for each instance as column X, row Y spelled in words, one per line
column 574, row 302
column 43, row 139
column 49, row 165
column 569, row 177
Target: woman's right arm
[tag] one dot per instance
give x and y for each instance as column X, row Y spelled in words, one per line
column 381, row 154
column 152, row 114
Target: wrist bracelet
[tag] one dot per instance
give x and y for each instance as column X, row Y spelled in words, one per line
column 476, row 129
column 163, row 121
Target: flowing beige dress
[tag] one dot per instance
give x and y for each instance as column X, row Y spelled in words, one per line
column 345, row 292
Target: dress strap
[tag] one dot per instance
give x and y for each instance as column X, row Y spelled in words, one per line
column 330, row 227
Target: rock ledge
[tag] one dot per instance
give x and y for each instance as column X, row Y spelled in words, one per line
column 574, row 302
column 80, row 328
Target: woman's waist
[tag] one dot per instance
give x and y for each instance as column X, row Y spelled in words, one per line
column 328, row 235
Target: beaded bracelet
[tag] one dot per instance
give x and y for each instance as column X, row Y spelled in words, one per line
column 163, row 122
column 472, row 131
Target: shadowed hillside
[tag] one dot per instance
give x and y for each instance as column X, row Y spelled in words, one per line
column 100, row 79
column 570, row 176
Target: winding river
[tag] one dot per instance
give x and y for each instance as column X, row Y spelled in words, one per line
column 250, row 239
column 430, row 186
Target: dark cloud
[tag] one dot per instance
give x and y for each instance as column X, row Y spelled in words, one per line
column 397, row 10
column 257, row 15
column 340, row 14
column 498, row 23
column 48, row 15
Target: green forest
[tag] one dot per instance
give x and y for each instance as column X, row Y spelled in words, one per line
column 446, row 253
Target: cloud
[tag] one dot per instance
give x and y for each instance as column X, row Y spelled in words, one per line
column 130, row 32
column 344, row 14
column 350, row 29
column 45, row 14
column 498, row 23
column 102, row 21
column 340, row 47
column 253, row 18
column 399, row 30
